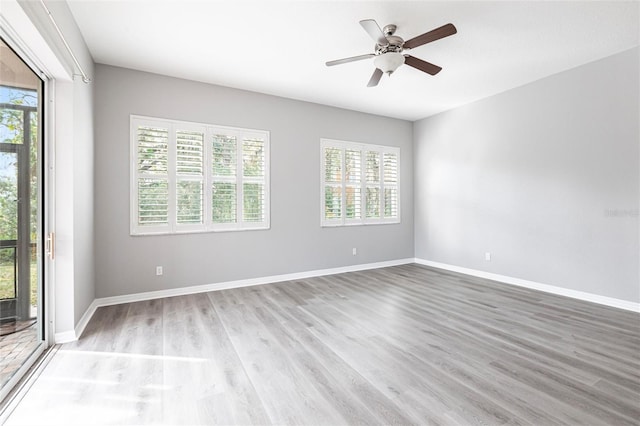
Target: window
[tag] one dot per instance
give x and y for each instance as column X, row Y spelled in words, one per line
column 190, row 177
column 360, row 183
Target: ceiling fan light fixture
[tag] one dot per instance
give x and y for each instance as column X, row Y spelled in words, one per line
column 389, row 47
column 389, row 62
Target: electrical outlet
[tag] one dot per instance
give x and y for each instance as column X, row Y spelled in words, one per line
column 487, row 257
column 158, row 270
column 354, row 251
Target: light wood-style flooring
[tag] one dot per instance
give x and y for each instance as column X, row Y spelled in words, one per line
column 399, row 345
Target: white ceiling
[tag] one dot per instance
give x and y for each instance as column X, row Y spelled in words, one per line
column 280, row 47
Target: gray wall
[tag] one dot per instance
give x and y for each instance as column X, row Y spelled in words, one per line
column 295, row 242
column 545, row 177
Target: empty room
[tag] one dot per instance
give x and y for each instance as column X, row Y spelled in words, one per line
column 319, row 212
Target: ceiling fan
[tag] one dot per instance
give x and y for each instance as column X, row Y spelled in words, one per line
column 389, row 47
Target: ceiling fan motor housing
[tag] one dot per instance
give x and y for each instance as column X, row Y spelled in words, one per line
column 389, row 58
column 395, row 45
column 389, row 30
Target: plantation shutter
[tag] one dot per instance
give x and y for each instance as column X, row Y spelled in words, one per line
column 239, row 192
column 224, row 166
column 359, row 183
column 189, row 177
column 152, row 180
column 253, row 180
column 390, row 174
column 373, row 184
column 332, row 180
column 353, row 184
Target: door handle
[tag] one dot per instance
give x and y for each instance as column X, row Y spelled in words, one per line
column 51, row 245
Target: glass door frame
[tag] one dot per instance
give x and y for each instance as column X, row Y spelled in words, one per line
column 19, row 306
column 45, row 217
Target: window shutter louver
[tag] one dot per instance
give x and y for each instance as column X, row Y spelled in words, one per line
column 190, row 154
column 153, row 150
column 152, row 154
column 353, row 188
column 360, row 183
column 253, row 206
column 253, row 166
column 372, row 198
column 190, row 177
column 390, row 173
column 153, row 201
column 333, row 165
column 390, row 168
column 224, row 169
column 333, row 183
column 189, row 196
column 224, row 203
column 373, row 167
column 390, row 202
column 253, row 158
column 373, row 202
column 224, row 156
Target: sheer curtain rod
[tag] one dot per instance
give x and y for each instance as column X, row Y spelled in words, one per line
column 85, row 78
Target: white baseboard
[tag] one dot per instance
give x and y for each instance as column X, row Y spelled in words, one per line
column 85, row 318
column 71, row 335
column 65, row 337
column 581, row 295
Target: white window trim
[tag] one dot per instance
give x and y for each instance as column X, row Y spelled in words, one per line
column 363, row 147
column 207, row 226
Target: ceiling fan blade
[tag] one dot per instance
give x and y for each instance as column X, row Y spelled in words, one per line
column 373, row 29
column 375, row 78
column 351, row 59
column 421, row 65
column 433, row 35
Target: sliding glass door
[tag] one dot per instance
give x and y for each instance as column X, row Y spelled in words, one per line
column 21, row 218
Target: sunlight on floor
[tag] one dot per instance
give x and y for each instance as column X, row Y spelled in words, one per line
column 84, row 387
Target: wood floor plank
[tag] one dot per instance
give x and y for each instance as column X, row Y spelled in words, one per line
column 402, row 371
column 468, row 359
column 402, row 345
column 346, row 388
column 202, row 372
column 270, row 367
column 302, row 357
